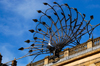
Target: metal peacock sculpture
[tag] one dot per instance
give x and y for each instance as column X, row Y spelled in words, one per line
column 60, row 26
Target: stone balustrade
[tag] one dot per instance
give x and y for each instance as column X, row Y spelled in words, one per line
column 71, row 52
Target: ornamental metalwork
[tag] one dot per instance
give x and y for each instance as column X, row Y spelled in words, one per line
column 59, row 26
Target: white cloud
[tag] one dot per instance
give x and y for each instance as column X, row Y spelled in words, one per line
column 25, row 8
column 5, row 51
column 13, row 27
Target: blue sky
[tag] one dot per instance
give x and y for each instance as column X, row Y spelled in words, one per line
column 16, row 19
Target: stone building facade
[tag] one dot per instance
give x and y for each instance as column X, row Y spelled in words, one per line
column 86, row 54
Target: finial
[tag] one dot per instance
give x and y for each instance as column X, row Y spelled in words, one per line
column 14, row 58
